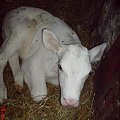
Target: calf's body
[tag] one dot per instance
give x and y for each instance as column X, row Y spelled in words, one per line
column 50, row 51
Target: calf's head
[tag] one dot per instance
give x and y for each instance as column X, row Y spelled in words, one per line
column 74, row 66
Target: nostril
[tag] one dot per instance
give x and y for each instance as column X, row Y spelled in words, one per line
column 70, row 102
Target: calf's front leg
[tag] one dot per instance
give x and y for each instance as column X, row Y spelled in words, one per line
column 38, row 83
column 17, row 71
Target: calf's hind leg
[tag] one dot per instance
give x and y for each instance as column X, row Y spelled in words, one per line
column 8, row 50
column 3, row 90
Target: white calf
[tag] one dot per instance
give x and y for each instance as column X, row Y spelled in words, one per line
column 45, row 43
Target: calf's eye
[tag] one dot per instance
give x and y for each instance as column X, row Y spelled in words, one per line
column 59, row 66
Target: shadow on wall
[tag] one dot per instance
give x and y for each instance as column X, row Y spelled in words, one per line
column 107, row 85
column 107, row 77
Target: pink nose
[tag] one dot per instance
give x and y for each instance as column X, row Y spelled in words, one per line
column 71, row 103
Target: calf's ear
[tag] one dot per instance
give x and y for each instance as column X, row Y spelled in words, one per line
column 97, row 52
column 50, row 40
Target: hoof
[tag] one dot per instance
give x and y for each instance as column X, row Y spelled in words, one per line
column 38, row 98
column 18, row 88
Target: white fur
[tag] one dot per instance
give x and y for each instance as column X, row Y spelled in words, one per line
column 41, row 41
